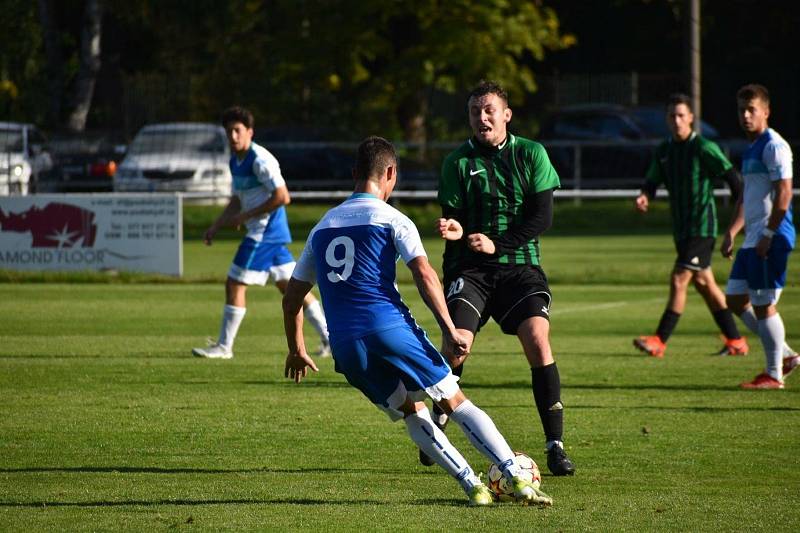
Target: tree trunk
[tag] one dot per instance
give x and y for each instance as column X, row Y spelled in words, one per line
column 54, row 69
column 412, row 113
column 83, row 91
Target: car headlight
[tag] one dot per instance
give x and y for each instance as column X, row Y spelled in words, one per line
column 16, row 171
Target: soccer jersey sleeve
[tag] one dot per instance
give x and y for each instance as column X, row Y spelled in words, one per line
column 654, row 174
column 406, row 239
column 777, row 157
column 544, row 175
column 268, row 171
column 713, row 160
column 305, row 269
column 449, row 184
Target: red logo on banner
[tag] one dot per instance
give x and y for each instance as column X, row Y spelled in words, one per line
column 56, row 225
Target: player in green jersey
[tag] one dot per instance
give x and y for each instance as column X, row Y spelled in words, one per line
column 687, row 165
column 496, row 193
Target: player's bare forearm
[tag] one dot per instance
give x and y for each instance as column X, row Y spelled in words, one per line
column 735, row 226
column 427, row 282
column 780, row 203
column 233, row 207
column 279, row 198
column 297, row 360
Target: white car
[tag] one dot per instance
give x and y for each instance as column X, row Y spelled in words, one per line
column 22, row 157
column 186, row 157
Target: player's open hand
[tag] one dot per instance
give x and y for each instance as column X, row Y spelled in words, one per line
column 449, row 229
column 297, row 365
column 642, row 203
column 478, row 242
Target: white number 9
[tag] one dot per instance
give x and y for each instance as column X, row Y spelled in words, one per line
column 346, row 261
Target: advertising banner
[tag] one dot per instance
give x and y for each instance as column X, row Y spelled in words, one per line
column 135, row 233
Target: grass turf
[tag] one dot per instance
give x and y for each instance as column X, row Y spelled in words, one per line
column 106, row 422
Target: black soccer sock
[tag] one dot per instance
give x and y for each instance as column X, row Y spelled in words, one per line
column 724, row 319
column 667, row 324
column 546, row 385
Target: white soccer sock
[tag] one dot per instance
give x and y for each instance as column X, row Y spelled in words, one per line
column 772, row 335
column 313, row 312
column 434, row 443
column 484, row 435
column 231, row 320
column 750, row 320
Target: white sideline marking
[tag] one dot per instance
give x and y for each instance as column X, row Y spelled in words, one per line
column 596, row 307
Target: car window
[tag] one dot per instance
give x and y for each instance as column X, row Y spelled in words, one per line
column 35, row 137
column 178, row 141
column 10, row 141
column 613, row 127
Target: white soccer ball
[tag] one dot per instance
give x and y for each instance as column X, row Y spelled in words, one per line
column 528, row 470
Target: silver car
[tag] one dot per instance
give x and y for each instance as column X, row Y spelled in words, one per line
column 23, row 157
column 185, row 157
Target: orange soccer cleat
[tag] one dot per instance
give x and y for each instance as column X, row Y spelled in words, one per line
column 734, row 346
column 651, row 345
column 762, row 381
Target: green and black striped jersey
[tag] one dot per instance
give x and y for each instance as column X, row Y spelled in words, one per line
column 687, row 169
column 489, row 187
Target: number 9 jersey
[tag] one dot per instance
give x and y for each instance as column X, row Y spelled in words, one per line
column 352, row 255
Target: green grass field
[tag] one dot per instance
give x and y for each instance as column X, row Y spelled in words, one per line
column 107, row 422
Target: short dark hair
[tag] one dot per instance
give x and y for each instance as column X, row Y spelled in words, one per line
column 485, row 87
column 373, row 156
column 753, row 90
column 680, row 98
column 238, row 114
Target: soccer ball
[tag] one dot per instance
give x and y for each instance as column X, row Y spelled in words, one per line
column 528, row 470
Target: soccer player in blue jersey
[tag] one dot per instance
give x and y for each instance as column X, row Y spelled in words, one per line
column 352, row 253
column 764, row 211
column 260, row 195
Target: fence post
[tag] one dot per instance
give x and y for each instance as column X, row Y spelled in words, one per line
column 577, row 174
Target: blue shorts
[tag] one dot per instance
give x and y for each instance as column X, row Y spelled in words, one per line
column 255, row 261
column 762, row 279
column 390, row 365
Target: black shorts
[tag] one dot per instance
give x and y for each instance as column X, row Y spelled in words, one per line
column 509, row 294
column 694, row 253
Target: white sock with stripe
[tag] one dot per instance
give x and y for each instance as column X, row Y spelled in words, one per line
column 314, row 314
column 435, row 444
column 772, row 335
column 232, row 317
column 484, row 435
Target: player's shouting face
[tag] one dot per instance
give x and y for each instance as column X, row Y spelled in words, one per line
column 239, row 137
column 488, row 116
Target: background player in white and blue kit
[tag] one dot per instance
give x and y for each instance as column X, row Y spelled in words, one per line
column 352, row 253
column 765, row 212
column 259, row 197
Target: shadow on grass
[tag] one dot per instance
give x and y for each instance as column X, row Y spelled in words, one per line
column 145, row 503
column 160, row 470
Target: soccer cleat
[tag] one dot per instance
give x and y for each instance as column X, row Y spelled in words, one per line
column 481, row 495
column 558, row 462
column 214, row 351
column 651, row 345
column 323, row 350
column 762, row 381
column 526, row 493
column 789, row 364
column 734, row 346
column 440, row 419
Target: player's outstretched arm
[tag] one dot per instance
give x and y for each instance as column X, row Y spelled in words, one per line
column 233, row 207
column 297, row 360
column 427, row 281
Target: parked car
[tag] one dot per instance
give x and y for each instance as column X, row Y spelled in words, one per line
column 615, row 142
column 83, row 162
column 186, row 157
column 23, row 157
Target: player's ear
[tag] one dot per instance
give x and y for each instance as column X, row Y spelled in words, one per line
column 391, row 172
column 507, row 113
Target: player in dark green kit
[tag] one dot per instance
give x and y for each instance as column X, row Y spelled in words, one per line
column 687, row 165
column 496, row 193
